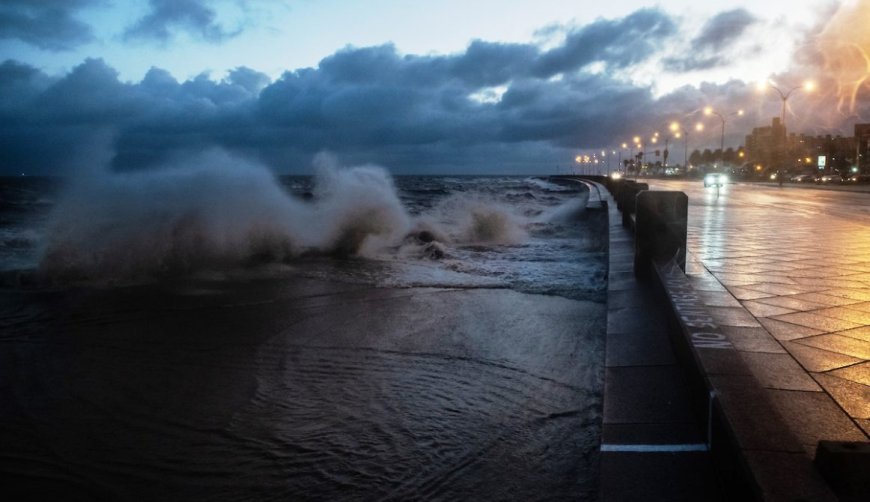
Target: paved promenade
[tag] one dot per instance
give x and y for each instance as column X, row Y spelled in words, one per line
column 792, row 293
column 789, row 287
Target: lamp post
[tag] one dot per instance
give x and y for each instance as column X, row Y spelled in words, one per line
column 678, row 131
column 619, row 165
column 807, row 86
column 709, row 111
column 638, row 146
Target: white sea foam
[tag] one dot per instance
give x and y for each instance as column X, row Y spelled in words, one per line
column 214, row 211
column 546, row 185
column 472, row 219
column 567, row 211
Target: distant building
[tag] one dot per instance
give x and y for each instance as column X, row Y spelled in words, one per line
column 772, row 149
column 862, row 139
column 766, row 145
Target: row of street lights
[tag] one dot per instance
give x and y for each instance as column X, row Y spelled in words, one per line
column 679, row 130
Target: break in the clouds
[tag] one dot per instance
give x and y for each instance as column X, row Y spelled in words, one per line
column 46, row 24
column 167, row 17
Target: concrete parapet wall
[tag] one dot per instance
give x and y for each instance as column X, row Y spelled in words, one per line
column 661, row 226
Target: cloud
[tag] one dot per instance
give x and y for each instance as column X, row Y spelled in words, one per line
column 410, row 113
column 693, row 63
column 709, row 49
column 490, row 64
column 47, row 24
column 724, row 29
column 168, row 16
column 618, row 43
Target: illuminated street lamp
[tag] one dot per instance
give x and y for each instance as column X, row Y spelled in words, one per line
column 620, row 167
column 637, row 159
column 807, row 86
column 678, row 131
column 709, row 111
column 637, row 146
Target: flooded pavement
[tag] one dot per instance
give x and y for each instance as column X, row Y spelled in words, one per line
column 252, row 388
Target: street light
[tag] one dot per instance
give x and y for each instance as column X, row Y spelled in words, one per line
column 636, row 159
column 622, row 167
column 709, row 111
column 807, row 86
column 637, row 146
column 678, row 131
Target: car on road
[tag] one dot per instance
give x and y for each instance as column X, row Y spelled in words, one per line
column 802, row 178
column 830, row 178
column 715, row 179
column 860, row 178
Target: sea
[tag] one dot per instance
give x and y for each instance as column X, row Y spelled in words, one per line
column 222, row 333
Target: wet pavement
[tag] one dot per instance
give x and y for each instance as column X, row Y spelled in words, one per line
column 791, row 287
column 785, row 274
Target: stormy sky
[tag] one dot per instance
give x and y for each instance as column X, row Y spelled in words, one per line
column 440, row 87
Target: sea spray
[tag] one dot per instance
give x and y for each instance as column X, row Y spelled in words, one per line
column 358, row 208
column 474, row 219
column 567, row 212
column 218, row 217
column 213, row 211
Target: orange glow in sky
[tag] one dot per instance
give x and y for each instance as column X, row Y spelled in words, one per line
column 845, row 45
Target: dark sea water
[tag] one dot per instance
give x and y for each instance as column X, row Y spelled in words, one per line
column 347, row 337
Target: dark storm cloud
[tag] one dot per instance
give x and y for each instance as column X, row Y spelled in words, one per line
column 489, row 64
column 618, row 43
column 47, row 24
column 167, row 16
column 410, row 113
column 716, row 36
column 723, row 29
